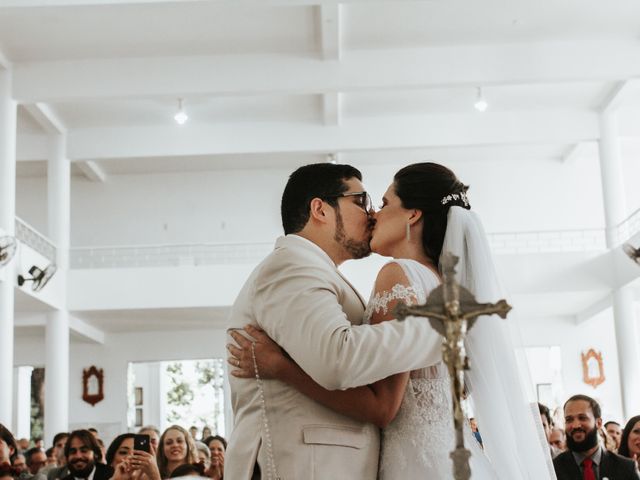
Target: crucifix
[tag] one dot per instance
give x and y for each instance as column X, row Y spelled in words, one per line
column 452, row 311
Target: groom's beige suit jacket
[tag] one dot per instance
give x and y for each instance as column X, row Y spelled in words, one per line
column 298, row 296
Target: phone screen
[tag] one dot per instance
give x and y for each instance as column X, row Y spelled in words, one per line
column 142, row 442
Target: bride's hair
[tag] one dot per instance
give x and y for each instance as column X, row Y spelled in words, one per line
column 432, row 189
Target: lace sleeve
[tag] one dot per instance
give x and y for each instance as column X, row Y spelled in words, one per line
column 380, row 300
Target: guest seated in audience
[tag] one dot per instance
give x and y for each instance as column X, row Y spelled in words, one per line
column 119, row 450
column 61, row 470
column 83, row 454
column 217, row 447
column 630, row 440
column 20, row 465
column 154, row 437
column 8, row 446
column 193, row 431
column 547, row 426
column 608, row 442
column 473, row 423
column 206, row 433
column 188, row 470
column 7, row 472
column 204, row 455
column 36, row 460
column 615, row 432
column 23, row 444
column 176, row 448
column 558, row 439
column 586, row 459
column 126, row 461
column 38, row 443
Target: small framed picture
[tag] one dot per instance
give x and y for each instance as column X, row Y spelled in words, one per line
column 138, row 395
column 139, row 417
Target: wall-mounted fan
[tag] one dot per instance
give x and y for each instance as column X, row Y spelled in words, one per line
column 8, row 247
column 632, row 253
column 39, row 277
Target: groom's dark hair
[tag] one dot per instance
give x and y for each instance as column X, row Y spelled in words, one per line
column 318, row 180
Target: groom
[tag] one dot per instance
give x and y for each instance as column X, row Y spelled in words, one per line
column 300, row 299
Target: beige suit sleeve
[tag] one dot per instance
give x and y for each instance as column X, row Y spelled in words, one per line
column 299, row 308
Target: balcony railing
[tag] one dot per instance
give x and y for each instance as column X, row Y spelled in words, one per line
column 168, row 255
column 548, row 242
column 30, row 236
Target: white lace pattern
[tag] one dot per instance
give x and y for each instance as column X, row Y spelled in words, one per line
column 416, row 444
column 380, row 300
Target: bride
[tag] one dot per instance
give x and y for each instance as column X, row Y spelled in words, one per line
column 425, row 212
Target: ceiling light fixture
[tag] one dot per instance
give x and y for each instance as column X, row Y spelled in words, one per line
column 39, row 277
column 481, row 104
column 7, row 249
column 181, row 117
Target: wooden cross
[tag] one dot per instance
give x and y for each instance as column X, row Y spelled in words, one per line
column 452, row 311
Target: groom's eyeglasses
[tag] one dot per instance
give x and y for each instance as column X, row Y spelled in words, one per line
column 363, row 200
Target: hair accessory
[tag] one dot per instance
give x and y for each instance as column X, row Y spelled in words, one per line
column 454, row 197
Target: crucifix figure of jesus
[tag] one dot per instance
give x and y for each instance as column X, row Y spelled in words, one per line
column 452, row 311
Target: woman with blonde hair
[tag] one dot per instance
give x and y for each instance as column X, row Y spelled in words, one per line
column 176, row 448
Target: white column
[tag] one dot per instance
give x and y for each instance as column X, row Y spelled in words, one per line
column 8, row 117
column 56, row 410
column 624, row 317
column 623, row 304
column 615, row 208
column 22, row 402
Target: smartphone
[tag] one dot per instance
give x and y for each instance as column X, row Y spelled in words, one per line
column 142, row 442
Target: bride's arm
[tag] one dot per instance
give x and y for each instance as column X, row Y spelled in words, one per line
column 377, row 403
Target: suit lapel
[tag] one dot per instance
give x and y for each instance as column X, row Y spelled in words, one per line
column 364, row 305
column 605, row 465
column 571, row 468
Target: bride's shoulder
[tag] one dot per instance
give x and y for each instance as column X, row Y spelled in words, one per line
column 390, row 275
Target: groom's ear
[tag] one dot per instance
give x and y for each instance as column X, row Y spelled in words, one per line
column 317, row 210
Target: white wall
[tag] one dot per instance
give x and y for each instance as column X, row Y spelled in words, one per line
column 244, row 206
column 597, row 333
column 113, row 357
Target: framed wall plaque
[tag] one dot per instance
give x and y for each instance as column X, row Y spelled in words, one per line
column 592, row 368
column 92, row 385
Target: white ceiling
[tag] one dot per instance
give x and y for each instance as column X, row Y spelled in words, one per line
column 284, row 81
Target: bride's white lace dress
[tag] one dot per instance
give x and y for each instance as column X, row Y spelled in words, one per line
column 417, row 443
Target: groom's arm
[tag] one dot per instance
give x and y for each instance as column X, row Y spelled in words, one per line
column 299, row 308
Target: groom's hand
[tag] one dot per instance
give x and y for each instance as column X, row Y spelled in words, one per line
column 269, row 357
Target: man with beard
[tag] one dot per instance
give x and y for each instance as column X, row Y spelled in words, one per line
column 299, row 298
column 585, row 458
column 83, row 455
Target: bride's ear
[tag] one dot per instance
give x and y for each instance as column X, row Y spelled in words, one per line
column 415, row 217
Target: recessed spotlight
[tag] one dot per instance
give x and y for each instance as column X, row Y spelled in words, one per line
column 481, row 104
column 181, row 117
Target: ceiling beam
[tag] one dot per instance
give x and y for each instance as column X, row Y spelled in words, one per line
column 593, row 310
column 4, row 61
column 44, row 115
column 76, row 325
column 331, row 103
column 88, row 3
column 400, row 132
column 618, row 94
column 580, row 150
column 329, row 27
column 86, row 330
column 363, row 70
column 92, row 171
